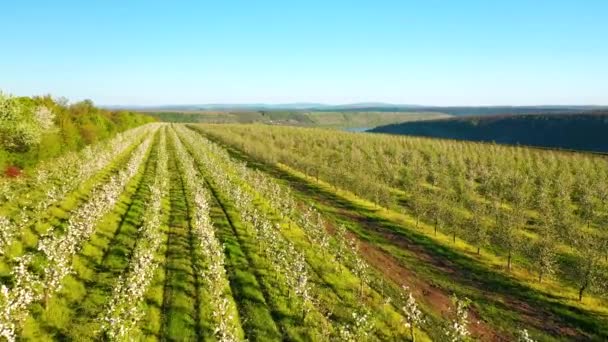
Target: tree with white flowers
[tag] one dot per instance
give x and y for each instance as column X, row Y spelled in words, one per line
column 413, row 316
column 458, row 327
column 359, row 330
column 524, row 336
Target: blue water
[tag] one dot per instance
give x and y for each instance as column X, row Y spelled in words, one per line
column 357, row 129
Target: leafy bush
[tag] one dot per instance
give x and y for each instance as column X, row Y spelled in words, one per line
column 38, row 128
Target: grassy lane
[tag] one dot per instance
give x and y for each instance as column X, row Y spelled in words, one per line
column 180, row 308
column 153, row 320
column 256, row 283
column 405, row 255
column 72, row 313
column 256, row 315
column 151, row 324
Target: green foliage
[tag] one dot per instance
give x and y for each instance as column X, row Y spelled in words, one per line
column 39, row 128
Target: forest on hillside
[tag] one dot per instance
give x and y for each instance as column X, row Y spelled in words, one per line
column 571, row 131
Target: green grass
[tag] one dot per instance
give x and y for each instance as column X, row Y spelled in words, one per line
column 500, row 299
column 152, row 322
column 181, row 299
column 256, row 315
column 455, row 271
column 274, row 291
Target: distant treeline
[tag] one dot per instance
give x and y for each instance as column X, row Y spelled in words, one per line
column 573, row 131
column 38, row 128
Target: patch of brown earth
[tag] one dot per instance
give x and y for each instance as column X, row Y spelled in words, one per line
column 428, row 294
column 531, row 315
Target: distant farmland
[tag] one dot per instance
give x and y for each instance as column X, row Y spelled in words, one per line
column 299, row 118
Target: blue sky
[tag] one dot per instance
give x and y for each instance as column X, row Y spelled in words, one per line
column 412, row 52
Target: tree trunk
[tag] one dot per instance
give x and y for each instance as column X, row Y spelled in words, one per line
column 478, row 250
column 412, row 332
column 509, row 262
column 361, row 290
column 454, row 237
column 435, row 227
column 580, row 293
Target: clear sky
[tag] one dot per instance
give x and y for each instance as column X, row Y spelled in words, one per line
column 430, row 52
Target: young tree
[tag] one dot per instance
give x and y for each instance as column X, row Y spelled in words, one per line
column 506, row 234
column 452, row 223
column 586, row 269
column 458, row 328
column 360, row 267
column 413, row 181
column 586, row 203
column 413, row 315
column 360, row 330
column 543, row 253
column 523, row 336
column 477, row 231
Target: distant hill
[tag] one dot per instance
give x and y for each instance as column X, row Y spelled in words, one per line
column 334, row 119
column 586, row 131
column 365, row 107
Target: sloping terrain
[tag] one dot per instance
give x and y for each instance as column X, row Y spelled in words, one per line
column 579, row 131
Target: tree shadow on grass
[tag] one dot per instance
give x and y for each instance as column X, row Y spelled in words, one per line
column 490, row 287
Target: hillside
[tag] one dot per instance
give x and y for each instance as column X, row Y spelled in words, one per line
column 334, row 119
column 376, row 107
column 572, row 131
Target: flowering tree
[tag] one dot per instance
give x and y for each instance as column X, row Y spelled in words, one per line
column 58, row 177
column 413, row 316
column 524, row 336
column 124, row 310
column 457, row 330
column 19, row 130
column 14, row 302
column 359, row 330
column 213, row 267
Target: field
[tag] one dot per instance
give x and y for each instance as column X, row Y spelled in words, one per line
column 328, row 119
column 256, row 232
